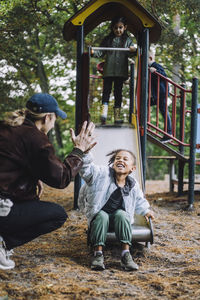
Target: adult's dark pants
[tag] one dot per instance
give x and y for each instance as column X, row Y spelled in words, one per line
column 28, row 220
column 162, row 102
column 107, row 87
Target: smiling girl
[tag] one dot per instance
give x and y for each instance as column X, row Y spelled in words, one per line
column 110, row 197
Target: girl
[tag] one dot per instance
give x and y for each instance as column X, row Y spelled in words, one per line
column 26, row 157
column 110, row 197
column 115, row 67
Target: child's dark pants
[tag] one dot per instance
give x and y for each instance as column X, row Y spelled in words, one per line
column 162, row 110
column 107, row 87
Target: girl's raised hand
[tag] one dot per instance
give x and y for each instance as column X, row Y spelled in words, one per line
column 85, row 140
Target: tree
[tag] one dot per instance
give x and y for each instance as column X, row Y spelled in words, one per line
column 34, row 55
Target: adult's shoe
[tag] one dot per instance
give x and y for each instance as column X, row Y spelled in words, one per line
column 5, row 262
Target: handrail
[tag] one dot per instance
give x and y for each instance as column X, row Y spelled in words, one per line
column 109, row 49
column 163, row 132
column 172, row 82
column 177, row 96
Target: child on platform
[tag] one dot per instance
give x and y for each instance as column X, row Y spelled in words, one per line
column 109, row 198
column 155, row 67
column 115, row 68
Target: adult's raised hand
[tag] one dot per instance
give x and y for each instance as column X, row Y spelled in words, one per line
column 85, row 140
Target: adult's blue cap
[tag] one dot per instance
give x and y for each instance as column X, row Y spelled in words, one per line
column 45, row 103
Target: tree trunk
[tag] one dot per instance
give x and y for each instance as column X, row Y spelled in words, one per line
column 42, row 76
column 58, row 135
column 176, row 66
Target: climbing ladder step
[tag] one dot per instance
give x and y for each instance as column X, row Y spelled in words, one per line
column 167, row 148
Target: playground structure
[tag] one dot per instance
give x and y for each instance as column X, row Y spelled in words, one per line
column 146, row 29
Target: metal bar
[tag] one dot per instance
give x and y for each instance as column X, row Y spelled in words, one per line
column 181, row 147
column 166, row 147
column 183, row 116
column 175, row 109
column 171, row 174
column 180, row 176
column 95, row 76
column 109, row 49
column 166, row 107
column 174, row 113
column 131, row 106
column 172, row 82
column 193, row 138
column 138, row 87
column 182, row 120
column 149, row 99
column 163, row 132
column 78, row 113
column 158, row 101
column 144, row 96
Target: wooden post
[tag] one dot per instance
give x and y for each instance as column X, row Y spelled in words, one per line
column 78, row 114
column 193, row 138
column 144, row 96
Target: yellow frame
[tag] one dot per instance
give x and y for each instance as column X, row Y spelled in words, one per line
column 80, row 18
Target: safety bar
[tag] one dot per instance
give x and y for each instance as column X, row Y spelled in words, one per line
column 109, row 49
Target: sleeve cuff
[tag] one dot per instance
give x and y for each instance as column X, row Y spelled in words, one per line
column 78, row 152
column 145, row 212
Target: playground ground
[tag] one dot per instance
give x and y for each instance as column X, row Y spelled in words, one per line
column 56, row 266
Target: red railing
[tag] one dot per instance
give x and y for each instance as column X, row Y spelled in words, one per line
column 177, row 95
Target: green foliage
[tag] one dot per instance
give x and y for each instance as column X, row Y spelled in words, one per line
column 34, row 56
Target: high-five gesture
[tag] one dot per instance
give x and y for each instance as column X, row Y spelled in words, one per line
column 85, row 140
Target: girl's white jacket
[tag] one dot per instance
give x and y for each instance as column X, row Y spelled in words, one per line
column 100, row 184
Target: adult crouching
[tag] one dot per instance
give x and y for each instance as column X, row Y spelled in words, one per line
column 27, row 159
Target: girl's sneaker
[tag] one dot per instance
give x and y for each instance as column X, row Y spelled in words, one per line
column 117, row 115
column 98, row 262
column 5, row 262
column 127, row 262
column 104, row 113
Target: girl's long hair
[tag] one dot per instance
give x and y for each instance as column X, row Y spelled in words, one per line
column 109, row 38
column 16, row 118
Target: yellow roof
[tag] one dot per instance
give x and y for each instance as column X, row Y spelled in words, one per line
column 97, row 11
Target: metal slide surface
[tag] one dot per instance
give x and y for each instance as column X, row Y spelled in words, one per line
column 111, row 137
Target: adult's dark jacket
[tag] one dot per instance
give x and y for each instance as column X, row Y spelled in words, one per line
column 26, row 156
column 154, row 82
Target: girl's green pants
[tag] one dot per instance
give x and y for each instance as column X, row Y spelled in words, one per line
column 117, row 222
